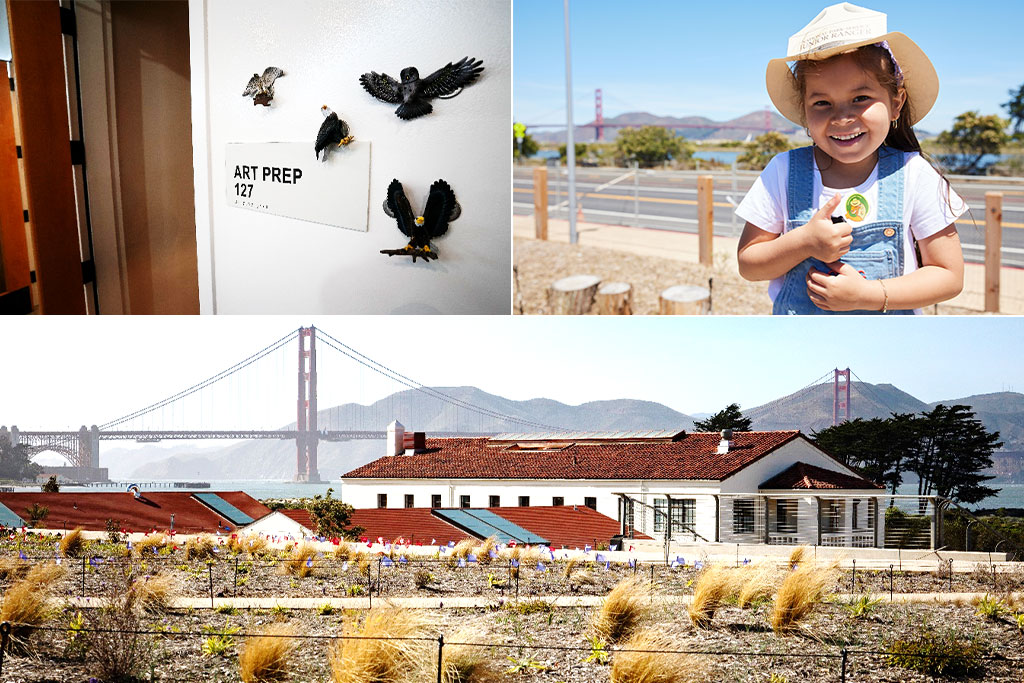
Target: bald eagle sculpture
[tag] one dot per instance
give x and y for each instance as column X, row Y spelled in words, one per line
column 441, row 209
column 413, row 94
column 261, row 88
column 333, row 131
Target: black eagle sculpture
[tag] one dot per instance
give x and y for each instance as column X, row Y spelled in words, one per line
column 261, row 88
column 441, row 209
column 413, row 94
column 333, row 131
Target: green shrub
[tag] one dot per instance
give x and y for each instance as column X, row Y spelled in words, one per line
column 936, row 654
column 862, row 606
column 989, row 607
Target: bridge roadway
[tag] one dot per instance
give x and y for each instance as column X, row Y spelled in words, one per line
column 667, row 200
column 187, row 435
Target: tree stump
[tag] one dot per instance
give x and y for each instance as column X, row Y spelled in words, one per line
column 685, row 300
column 573, row 295
column 615, row 298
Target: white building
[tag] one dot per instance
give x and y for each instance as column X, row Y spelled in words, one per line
column 747, row 487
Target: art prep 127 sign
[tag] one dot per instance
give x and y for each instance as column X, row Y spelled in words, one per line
column 283, row 178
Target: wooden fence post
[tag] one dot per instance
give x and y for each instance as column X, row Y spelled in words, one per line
column 540, row 202
column 705, row 218
column 993, row 248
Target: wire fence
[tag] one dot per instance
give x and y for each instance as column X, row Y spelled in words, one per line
column 845, row 657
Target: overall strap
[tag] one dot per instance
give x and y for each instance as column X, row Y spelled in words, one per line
column 800, row 186
column 890, row 184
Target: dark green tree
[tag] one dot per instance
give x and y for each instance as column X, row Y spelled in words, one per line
column 580, row 147
column 51, row 485
column 36, row 513
column 15, row 463
column 972, row 137
column 762, row 148
column 331, row 517
column 651, row 145
column 729, row 417
column 876, row 448
column 1015, row 108
column 953, row 450
column 530, row 146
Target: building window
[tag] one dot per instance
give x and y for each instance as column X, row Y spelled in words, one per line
column 382, row 500
column 590, row 502
column 630, row 516
column 558, row 500
column 743, row 516
column 660, row 514
column 435, row 500
column 833, row 515
column 463, row 501
column 494, row 501
column 409, row 498
column 785, row 516
column 872, row 512
column 854, row 513
column 524, row 501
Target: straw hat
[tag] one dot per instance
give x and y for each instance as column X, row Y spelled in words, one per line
column 843, row 28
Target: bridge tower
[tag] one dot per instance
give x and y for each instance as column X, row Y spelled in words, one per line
column 840, row 395
column 307, row 438
column 598, row 116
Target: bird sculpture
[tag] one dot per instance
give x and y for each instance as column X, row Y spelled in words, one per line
column 441, row 209
column 261, row 88
column 332, row 131
column 413, row 94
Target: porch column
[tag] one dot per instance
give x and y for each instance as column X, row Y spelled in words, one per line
column 718, row 519
column 817, row 505
column 767, row 520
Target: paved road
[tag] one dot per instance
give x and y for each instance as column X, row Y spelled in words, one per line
column 668, row 200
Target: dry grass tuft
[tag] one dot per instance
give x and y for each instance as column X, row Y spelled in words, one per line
column 343, row 551
column 366, row 659
column 759, row 583
column 72, row 545
column 25, row 604
column 301, row 561
column 656, row 667
column 200, row 547
column 13, row 568
column 42, row 575
column 714, row 585
column 801, row 590
column 154, row 593
column 570, row 565
column 622, row 610
column 483, row 551
column 150, row 544
column 265, row 657
column 467, row 663
column 798, row 555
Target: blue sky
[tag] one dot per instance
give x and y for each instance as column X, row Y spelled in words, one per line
column 62, row 372
column 675, row 58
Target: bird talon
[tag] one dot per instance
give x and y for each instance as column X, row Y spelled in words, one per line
column 346, row 140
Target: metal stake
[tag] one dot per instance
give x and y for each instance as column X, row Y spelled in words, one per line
column 5, row 636
column 83, row 577
column 440, row 652
column 210, row 567
column 234, row 587
column 853, row 579
column 842, row 666
column 890, row 582
column 950, row 574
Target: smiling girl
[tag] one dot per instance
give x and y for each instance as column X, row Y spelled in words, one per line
column 834, row 226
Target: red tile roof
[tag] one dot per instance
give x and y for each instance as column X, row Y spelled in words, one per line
column 565, row 526
column 153, row 510
column 800, row 475
column 691, row 456
column 412, row 524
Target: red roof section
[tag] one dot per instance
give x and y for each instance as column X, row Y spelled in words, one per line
column 691, row 456
column 153, row 510
column 800, row 475
column 565, row 526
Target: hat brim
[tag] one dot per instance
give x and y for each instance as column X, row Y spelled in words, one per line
column 919, row 77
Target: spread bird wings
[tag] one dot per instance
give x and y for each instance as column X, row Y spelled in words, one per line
column 381, row 86
column 397, row 206
column 271, row 74
column 451, row 77
column 253, row 87
column 441, row 208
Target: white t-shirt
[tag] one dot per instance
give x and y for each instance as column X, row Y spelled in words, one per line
column 926, row 207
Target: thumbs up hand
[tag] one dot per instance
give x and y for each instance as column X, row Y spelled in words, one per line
column 823, row 239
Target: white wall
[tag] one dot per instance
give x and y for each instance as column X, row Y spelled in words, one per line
column 252, row 262
column 752, row 476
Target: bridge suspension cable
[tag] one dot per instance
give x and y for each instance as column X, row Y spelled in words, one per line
column 867, row 388
column 771, row 404
column 368, row 362
column 205, row 383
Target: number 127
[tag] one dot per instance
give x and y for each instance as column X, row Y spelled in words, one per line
column 243, row 190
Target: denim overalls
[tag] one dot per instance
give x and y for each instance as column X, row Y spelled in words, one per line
column 877, row 248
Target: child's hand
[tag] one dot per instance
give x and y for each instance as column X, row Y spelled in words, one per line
column 844, row 289
column 823, row 239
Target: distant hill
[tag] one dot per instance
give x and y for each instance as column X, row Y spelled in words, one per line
column 808, row 410
column 690, row 127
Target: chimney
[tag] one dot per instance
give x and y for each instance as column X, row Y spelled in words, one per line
column 726, row 442
column 396, row 438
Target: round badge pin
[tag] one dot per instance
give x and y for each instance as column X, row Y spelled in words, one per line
column 856, row 207
column 889, row 232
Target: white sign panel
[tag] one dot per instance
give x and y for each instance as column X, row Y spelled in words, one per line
column 284, row 178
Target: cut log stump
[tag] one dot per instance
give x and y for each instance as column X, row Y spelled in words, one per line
column 615, row 298
column 685, row 300
column 573, row 295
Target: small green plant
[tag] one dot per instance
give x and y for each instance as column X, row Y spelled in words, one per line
column 422, row 578
column 325, row 609
column 1019, row 620
column 279, row 611
column 494, row 582
column 523, row 665
column 862, row 606
column 531, row 607
column 226, row 609
column 217, row 646
column 777, row 678
column 936, row 655
column 354, row 590
column 75, row 646
column 598, row 651
column 990, row 608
